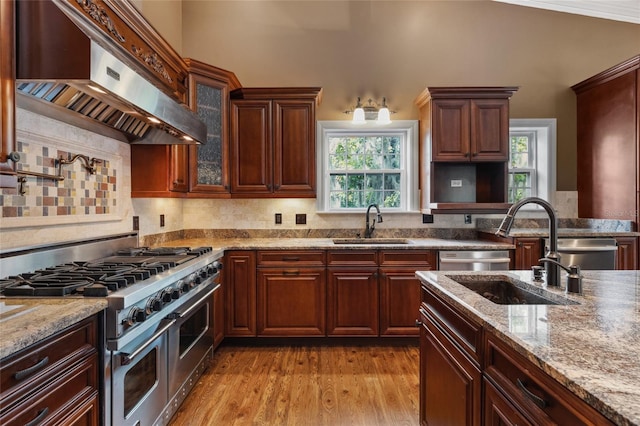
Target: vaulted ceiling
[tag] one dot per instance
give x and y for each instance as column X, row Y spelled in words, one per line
column 617, row 10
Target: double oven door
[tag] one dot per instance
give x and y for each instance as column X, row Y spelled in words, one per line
column 149, row 374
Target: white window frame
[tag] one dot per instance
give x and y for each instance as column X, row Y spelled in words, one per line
column 545, row 151
column 407, row 128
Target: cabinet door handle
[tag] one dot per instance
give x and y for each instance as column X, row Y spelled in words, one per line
column 418, row 323
column 276, row 187
column 475, row 154
column 40, row 417
column 290, row 258
column 19, row 375
column 535, row 398
column 466, row 154
column 296, row 272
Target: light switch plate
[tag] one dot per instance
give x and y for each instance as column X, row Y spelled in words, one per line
column 301, row 219
column 161, row 220
column 278, row 218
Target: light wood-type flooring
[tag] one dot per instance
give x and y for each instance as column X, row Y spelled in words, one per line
column 310, row 385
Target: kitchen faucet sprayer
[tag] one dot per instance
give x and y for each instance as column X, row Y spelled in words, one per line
column 368, row 232
column 553, row 272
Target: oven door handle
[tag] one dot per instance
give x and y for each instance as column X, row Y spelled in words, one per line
column 126, row 358
column 177, row 315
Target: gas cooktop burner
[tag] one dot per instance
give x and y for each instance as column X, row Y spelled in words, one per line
column 100, row 277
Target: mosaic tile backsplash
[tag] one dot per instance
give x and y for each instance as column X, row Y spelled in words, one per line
column 79, row 193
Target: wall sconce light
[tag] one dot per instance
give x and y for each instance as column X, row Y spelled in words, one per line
column 371, row 111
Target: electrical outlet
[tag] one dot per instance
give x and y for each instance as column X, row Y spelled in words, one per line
column 136, row 223
column 161, row 220
column 278, row 218
column 301, row 219
column 467, row 219
column 427, row 218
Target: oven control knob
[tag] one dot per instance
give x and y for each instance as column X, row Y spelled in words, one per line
column 175, row 293
column 186, row 286
column 217, row 266
column 141, row 315
column 199, row 277
column 166, row 296
column 154, row 305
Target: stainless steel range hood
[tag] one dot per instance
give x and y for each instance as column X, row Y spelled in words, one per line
column 64, row 74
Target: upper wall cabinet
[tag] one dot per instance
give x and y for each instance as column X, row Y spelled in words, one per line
column 608, row 113
column 194, row 171
column 464, row 145
column 209, row 96
column 273, row 142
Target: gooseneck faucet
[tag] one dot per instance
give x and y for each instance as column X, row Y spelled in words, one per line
column 553, row 272
column 368, row 232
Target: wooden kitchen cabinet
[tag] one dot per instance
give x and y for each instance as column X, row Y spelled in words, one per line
column 55, row 381
column 8, row 178
column 240, row 293
column 498, row 411
column 627, row 257
column 352, row 293
column 209, row 89
column 400, row 289
column 608, row 112
column 450, row 364
column 194, row 171
column 535, row 395
column 464, row 141
column 273, row 142
column 470, row 129
column 291, row 296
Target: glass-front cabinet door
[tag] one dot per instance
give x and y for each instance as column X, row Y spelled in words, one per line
column 209, row 98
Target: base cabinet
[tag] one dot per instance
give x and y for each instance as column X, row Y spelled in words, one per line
column 55, row 381
column 291, row 293
column 240, row 293
column 627, row 259
column 469, row 376
column 352, row 293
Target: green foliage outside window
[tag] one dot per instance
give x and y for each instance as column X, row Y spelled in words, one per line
column 365, row 170
column 521, row 167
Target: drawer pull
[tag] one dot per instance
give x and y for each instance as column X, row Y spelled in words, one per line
column 535, row 398
column 40, row 417
column 290, row 272
column 19, row 375
column 290, row 258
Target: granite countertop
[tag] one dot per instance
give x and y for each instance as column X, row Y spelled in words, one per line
column 327, row 243
column 563, row 232
column 24, row 322
column 591, row 348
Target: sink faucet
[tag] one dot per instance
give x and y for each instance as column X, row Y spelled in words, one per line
column 553, row 272
column 368, row 232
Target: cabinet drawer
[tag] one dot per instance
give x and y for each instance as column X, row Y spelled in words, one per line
column 465, row 333
column 58, row 399
column 278, row 258
column 538, row 396
column 352, row 258
column 420, row 259
column 41, row 362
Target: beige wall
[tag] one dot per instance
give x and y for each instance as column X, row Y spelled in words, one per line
column 166, row 17
column 397, row 48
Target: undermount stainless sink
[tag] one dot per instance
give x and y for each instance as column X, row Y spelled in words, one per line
column 504, row 290
column 348, row 241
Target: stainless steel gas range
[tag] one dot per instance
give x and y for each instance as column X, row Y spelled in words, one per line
column 158, row 324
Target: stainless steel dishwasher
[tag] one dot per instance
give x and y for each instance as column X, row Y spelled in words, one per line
column 474, row 260
column 588, row 253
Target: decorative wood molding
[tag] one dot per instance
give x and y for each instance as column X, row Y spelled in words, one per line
column 153, row 61
column 100, row 15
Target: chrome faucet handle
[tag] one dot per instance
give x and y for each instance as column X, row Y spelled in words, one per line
column 574, row 279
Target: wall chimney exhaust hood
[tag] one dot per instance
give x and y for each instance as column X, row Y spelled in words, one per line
column 64, row 74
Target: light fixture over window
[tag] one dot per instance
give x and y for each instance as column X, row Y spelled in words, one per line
column 371, row 111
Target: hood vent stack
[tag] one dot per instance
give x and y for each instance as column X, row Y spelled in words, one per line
column 102, row 91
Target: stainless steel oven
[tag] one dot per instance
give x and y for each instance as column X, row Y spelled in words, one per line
column 159, row 319
column 139, row 378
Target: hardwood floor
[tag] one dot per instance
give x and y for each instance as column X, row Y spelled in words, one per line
column 306, row 386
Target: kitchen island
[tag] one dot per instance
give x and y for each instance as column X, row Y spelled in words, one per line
column 590, row 348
